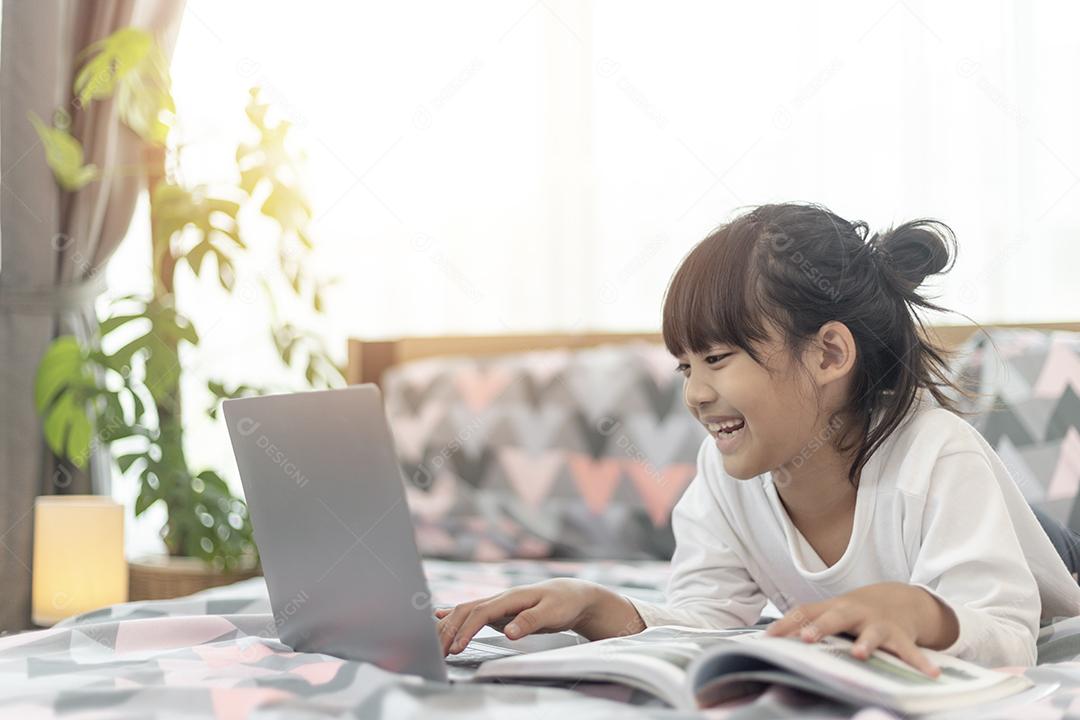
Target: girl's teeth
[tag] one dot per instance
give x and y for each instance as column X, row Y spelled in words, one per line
column 726, row 427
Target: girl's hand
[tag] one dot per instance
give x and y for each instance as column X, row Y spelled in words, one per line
column 549, row 606
column 892, row 616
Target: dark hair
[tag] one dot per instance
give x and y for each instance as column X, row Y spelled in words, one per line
column 798, row 266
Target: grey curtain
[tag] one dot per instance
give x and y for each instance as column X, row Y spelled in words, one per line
column 53, row 244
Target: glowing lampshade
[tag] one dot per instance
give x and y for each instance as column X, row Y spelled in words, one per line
column 79, row 560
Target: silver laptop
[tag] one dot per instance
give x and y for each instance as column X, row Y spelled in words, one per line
column 335, row 537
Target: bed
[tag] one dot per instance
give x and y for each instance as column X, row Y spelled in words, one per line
column 216, row 654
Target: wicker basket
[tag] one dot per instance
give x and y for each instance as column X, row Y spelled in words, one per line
column 162, row 577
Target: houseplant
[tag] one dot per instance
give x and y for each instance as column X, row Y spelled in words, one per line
column 128, row 397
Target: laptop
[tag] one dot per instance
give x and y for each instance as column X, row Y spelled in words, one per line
column 327, row 501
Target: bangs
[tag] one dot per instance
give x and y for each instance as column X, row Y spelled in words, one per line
column 713, row 296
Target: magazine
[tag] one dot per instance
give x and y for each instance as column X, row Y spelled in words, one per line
column 691, row 668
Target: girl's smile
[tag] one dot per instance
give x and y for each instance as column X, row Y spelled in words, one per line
column 727, row 430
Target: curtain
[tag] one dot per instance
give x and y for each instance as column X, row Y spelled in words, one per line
column 53, row 245
column 542, row 166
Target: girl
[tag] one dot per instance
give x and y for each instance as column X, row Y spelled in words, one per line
column 830, row 485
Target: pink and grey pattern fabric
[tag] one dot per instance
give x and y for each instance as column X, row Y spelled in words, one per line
column 583, row 453
column 561, row 453
column 1028, row 409
column 216, row 655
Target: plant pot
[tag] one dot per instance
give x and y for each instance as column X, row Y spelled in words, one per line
column 163, row 577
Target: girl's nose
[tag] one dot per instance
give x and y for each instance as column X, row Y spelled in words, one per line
column 697, row 393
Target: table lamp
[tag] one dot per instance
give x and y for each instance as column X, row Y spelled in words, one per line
column 79, row 560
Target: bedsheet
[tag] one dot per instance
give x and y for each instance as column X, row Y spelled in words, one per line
column 216, row 655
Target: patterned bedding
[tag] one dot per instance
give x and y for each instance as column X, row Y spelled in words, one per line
column 216, row 655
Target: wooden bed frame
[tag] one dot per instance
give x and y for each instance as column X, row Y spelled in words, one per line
column 369, row 359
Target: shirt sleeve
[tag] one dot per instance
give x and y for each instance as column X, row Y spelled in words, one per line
column 971, row 560
column 709, row 586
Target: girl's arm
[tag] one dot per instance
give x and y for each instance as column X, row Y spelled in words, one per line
column 549, row 606
column 971, row 592
column 971, row 560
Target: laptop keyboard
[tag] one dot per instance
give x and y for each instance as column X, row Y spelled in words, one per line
column 474, row 654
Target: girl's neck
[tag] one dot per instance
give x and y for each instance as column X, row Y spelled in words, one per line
column 814, row 486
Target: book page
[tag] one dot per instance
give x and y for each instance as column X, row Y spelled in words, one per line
column 882, row 671
column 674, row 644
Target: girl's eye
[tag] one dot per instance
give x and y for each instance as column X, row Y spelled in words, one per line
column 711, row 359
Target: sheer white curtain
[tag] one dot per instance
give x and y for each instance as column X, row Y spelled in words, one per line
column 966, row 111
column 493, row 166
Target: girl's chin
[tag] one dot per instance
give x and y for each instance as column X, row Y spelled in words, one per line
column 739, row 470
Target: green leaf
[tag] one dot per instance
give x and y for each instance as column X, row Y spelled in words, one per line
column 146, row 498
column 80, row 430
column 249, row 179
column 215, row 485
column 62, row 363
column 126, row 461
column 116, row 321
column 288, row 350
column 64, row 155
column 137, row 401
column 195, row 256
column 295, row 279
column 169, row 325
column 112, row 423
column 68, row 429
column 123, row 356
column 176, row 208
column 287, row 206
column 226, row 272
column 162, row 371
column 184, row 330
column 229, row 208
column 110, row 60
column 235, row 237
column 305, row 239
column 131, row 66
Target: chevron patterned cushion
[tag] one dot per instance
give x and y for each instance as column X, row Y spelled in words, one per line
column 1027, row 408
column 564, row 453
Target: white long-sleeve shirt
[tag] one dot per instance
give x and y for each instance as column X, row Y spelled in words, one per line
column 935, row 507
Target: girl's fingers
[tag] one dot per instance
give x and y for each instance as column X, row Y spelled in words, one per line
column 448, row 625
column 795, row 619
column 496, row 608
column 527, row 621
column 834, row 620
column 442, row 612
column 907, row 651
column 869, row 640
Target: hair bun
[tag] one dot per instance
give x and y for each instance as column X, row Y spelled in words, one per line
column 915, row 250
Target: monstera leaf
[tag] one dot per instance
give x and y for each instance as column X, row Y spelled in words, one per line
column 64, row 155
column 130, row 66
column 214, row 219
column 270, row 161
column 64, row 388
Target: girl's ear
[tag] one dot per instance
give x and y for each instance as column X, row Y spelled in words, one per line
column 834, row 352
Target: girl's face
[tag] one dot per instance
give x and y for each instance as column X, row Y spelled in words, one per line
column 761, row 416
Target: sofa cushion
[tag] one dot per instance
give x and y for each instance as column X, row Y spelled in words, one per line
column 563, row 453
column 1027, row 383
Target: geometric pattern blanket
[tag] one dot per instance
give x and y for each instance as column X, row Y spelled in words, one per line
column 216, row 655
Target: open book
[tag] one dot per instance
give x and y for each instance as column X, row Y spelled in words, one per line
column 691, row 668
